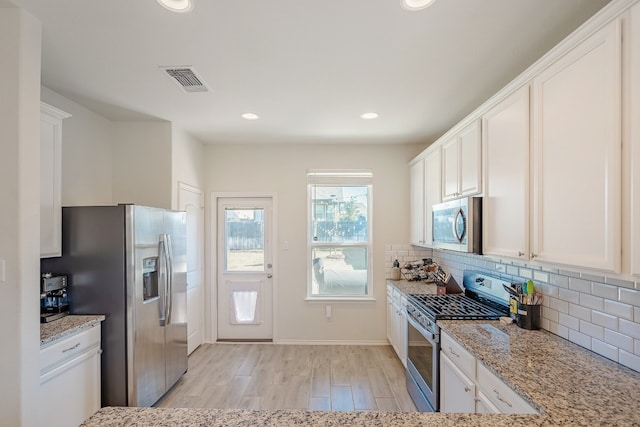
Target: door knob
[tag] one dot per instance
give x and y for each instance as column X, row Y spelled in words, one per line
column 269, row 276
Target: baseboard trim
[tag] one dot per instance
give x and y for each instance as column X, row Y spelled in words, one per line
column 330, row 342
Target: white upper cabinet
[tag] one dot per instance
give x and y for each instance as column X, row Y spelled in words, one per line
column 632, row 128
column 433, row 187
column 50, row 180
column 417, row 203
column 505, row 150
column 461, row 163
column 577, row 155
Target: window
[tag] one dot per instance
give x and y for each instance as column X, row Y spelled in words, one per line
column 339, row 234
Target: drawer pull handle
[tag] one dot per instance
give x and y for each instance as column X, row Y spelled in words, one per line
column 501, row 399
column 467, row 389
column 453, row 352
column 71, row 348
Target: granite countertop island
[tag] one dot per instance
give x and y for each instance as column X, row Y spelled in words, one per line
column 66, row 326
column 569, row 385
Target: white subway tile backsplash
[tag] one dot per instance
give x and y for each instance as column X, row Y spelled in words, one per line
column 569, row 273
column 619, row 309
column 558, row 329
column 619, row 340
column 592, row 330
column 512, row 270
column 540, row 276
column 636, row 314
column 630, row 360
column 580, row 285
column 569, row 321
column 525, row 273
column 605, row 291
column 561, row 306
column 580, row 312
column 629, row 328
column 604, row 349
column 636, row 348
column 618, row 282
column 606, row 320
column 559, row 281
column 580, row 338
column 550, row 314
column 630, row 297
column 591, row 277
column 569, row 296
column 590, row 301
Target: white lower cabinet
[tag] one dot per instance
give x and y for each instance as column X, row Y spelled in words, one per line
column 397, row 322
column 457, row 391
column 70, row 379
column 467, row 386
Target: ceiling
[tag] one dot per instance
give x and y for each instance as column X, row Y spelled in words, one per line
column 309, row 69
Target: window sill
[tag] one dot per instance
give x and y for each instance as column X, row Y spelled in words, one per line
column 339, row 299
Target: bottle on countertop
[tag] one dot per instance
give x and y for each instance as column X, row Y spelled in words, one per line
column 395, row 270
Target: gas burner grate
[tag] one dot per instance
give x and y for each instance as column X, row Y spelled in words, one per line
column 454, row 307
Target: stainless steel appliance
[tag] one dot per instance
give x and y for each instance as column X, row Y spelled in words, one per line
column 457, row 225
column 484, row 298
column 54, row 301
column 129, row 263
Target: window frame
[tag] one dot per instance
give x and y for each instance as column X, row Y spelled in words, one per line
column 339, row 178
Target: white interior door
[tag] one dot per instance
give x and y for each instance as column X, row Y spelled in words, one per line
column 190, row 200
column 245, row 294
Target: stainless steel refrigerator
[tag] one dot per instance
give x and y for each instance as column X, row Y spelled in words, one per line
column 128, row 262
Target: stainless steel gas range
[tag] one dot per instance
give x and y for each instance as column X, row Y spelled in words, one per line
column 484, row 298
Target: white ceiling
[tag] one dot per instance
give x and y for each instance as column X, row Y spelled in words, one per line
column 308, row 68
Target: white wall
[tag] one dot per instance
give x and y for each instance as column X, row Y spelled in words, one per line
column 20, row 35
column 87, row 153
column 142, row 163
column 187, row 162
column 282, row 169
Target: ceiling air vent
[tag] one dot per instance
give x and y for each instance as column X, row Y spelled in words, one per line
column 186, row 78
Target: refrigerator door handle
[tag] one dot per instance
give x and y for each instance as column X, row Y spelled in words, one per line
column 162, row 268
column 169, row 277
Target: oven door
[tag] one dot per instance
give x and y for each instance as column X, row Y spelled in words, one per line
column 423, row 367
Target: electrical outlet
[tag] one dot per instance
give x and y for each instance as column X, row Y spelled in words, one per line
column 2, row 276
column 501, row 268
column 327, row 312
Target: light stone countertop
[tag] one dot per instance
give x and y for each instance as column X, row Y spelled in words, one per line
column 66, row 326
column 570, row 385
column 412, row 287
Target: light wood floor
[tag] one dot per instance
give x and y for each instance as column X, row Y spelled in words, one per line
column 268, row 376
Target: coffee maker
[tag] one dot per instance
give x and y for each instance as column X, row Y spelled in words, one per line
column 54, row 301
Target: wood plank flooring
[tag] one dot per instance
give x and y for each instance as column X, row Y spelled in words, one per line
column 270, row 376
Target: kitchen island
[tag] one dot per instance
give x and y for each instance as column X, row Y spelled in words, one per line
column 567, row 384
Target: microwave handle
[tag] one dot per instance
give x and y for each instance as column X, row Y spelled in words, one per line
column 459, row 216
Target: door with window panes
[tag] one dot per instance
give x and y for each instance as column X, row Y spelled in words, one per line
column 245, row 293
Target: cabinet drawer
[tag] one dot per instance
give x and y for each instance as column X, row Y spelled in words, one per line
column 501, row 395
column 461, row 357
column 67, row 348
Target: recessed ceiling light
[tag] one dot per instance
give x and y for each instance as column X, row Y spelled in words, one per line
column 416, row 4
column 179, row 6
column 369, row 116
column 250, row 116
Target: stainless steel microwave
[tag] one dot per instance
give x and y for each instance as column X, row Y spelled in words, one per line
column 457, row 225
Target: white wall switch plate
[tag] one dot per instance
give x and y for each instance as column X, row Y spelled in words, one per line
column 2, row 276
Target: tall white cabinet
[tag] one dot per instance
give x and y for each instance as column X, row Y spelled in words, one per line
column 632, row 128
column 433, row 187
column 417, row 203
column 577, row 155
column 50, row 180
column 505, row 138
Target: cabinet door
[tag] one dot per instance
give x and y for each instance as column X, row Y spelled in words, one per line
column 470, row 160
column 433, row 189
column 633, row 116
column 505, row 130
column 417, row 204
column 576, row 155
column 450, row 169
column 484, row 405
column 457, row 391
column 50, row 180
column 402, row 339
column 390, row 320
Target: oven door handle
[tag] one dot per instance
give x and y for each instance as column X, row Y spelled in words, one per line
column 430, row 336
